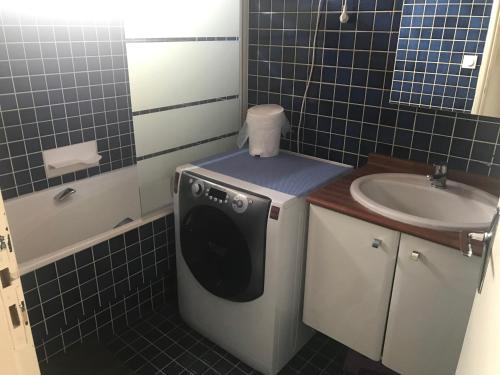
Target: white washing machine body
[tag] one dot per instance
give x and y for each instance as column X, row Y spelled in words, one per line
column 261, row 322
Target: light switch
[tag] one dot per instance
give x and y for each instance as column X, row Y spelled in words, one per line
column 469, row 62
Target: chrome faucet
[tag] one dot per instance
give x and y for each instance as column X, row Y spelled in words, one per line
column 439, row 175
column 63, row 195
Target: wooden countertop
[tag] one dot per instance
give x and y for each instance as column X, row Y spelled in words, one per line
column 336, row 196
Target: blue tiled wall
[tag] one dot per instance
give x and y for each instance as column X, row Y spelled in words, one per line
column 433, row 38
column 62, row 82
column 348, row 114
column 99, row 291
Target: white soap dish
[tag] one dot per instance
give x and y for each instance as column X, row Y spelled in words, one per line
column 67, row 163
column 62, row 160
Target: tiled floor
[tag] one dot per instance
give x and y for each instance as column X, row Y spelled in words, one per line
column 88, row 358
column 163, row 344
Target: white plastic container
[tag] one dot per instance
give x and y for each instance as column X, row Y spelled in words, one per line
column 263, row 128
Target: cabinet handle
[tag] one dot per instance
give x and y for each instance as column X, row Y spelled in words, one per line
column 14, row 316
column 376, row 243
column 415, row 256
column 480, row 237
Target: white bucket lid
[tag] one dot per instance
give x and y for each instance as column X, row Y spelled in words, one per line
column 265, row 110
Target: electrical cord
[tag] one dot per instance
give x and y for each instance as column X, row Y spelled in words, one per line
column 311, row 69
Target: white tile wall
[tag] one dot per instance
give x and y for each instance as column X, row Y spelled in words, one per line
column 177, row 19
column 159, row 131
column 155, row 174
column 165, row 74
column 181, row 53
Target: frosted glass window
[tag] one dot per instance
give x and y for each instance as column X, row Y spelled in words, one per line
column 191, row 18
column 165, row 130
column 164, row 74
column 155, row 174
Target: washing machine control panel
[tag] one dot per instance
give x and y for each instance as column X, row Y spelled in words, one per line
column 219, row 195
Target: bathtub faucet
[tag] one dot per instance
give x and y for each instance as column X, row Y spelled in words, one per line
column 63, row 195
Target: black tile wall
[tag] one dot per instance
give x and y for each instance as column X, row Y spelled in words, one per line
column 433, row 38
column 61, row 83
column 347, row 113
column 103, row 289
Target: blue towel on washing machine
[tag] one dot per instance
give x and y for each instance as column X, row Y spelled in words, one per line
column 288, row 173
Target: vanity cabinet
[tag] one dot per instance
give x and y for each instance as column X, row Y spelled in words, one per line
column 434, row 288
column 349, row 275
column 389, row 296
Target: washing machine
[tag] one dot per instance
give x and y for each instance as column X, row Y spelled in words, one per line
column 240, row 225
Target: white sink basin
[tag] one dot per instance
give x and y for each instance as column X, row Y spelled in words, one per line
column 411, row 199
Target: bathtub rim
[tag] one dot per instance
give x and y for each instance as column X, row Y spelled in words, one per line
column 56, row 255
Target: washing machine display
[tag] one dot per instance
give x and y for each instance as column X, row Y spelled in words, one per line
column 219, row 195
column 222, row 243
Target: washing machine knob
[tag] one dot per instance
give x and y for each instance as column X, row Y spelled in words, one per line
column 197, row 188
column 240, row 203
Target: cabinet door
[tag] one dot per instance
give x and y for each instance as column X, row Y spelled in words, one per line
column 348, row 280
column 17, row 352
column 430, row 306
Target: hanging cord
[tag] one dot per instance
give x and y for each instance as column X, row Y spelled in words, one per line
column 311, row 69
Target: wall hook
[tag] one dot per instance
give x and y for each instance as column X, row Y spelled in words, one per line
column 344, row 16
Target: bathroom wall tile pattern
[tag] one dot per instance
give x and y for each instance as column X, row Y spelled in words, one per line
column 61, row 83
column 183, row 39
column 348, row 114
column 184, row 105
column 170, row 150
column 433, row 38
column 103, row 289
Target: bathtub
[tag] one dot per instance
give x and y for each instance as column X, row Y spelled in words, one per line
column 45, row 230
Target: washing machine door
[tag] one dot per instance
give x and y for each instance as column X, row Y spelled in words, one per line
column 218, row 255
column 224, row 250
